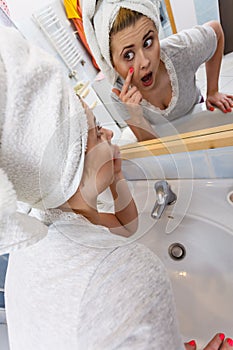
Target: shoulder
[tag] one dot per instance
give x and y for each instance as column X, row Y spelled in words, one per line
column 129, row 301
column 126, row 275
column 196, row 46
column 189, row 38
column 134, row 267
column 137, row 252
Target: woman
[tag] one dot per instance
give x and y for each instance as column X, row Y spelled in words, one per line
column 158, row 75
column 80, row 287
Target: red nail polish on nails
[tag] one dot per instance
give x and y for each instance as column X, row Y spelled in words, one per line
column 131, row 70
column 228, row 109
column 192, row 343
column 211, row 109
column 230, row 341
column 221, row 336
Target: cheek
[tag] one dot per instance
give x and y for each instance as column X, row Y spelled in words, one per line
column 156, row 51
column 121, row 68
column 105, row 175
column 105, row 159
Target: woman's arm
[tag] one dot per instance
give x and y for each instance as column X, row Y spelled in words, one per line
column 125, row 220
column 138, row 124
column 132, row 97
column 214, row 97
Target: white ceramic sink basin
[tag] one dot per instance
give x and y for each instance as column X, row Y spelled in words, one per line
column 202, row 235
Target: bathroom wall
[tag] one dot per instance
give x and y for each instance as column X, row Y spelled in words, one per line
column 206, row 10
column 184, row 13
column 21, row 12
column 188, row 13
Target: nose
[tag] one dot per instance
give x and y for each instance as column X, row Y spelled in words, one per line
column 143, row 60
column 108, row 133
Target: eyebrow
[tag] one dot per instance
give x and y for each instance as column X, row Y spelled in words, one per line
column 125, row 48
column 150, row 31
column 132, row 45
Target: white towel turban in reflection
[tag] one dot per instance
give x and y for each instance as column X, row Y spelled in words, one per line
column 98, row 17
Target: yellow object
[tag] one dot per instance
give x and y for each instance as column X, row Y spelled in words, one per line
column 71, row 8
column 94, row 104
column 170, row 16
column 85, row 93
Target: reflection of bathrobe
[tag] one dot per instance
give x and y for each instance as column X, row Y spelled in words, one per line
column 182, row 53
column 83, row 288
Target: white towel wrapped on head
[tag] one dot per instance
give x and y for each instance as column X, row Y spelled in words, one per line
column 43, row 127
column 98, row 18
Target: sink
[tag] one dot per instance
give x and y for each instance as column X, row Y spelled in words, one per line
column 201, row 275
column 196, row 250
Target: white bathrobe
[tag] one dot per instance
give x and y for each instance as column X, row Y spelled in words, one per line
column 80, row 287
column 83, row 288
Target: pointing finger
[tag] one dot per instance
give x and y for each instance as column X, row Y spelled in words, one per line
column 127, row 81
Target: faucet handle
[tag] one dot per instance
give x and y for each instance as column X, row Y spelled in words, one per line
column 172, row 197
column 163, row 189
column 165, row 196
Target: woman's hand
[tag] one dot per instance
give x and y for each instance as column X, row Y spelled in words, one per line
column 223, row 101
column 129, row 93
column 131, row 96
column 216, row 343
column 117, row 160
column 125, row 220
column 215, row 98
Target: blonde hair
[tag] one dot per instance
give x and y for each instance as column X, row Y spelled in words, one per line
column 124, row 19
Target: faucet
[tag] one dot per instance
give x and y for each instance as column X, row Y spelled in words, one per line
column 165, row 197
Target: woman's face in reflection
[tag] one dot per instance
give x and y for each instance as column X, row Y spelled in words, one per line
column 100, row 153
column 137, row 46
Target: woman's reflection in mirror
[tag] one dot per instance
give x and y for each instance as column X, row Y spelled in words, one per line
column 155, row 75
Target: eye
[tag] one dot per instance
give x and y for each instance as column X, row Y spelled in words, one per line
column 98, row 130
column 129, row 55
column 148, row 42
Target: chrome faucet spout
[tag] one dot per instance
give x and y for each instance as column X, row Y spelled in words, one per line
column 164, row 196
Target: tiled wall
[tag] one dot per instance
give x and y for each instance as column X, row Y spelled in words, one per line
column 206, row 10
column 214, row 163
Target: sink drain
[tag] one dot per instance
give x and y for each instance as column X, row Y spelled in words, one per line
column 230, row 197
column 177, row 251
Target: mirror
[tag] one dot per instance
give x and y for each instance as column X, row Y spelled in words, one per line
column 210, row 138
column 199, row 118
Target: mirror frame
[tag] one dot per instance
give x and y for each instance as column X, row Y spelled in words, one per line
column 170, row 16
column 204, row 139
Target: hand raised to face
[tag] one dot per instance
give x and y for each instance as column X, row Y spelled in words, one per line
column 129, row 93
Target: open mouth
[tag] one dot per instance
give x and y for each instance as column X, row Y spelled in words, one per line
column 147, row 79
